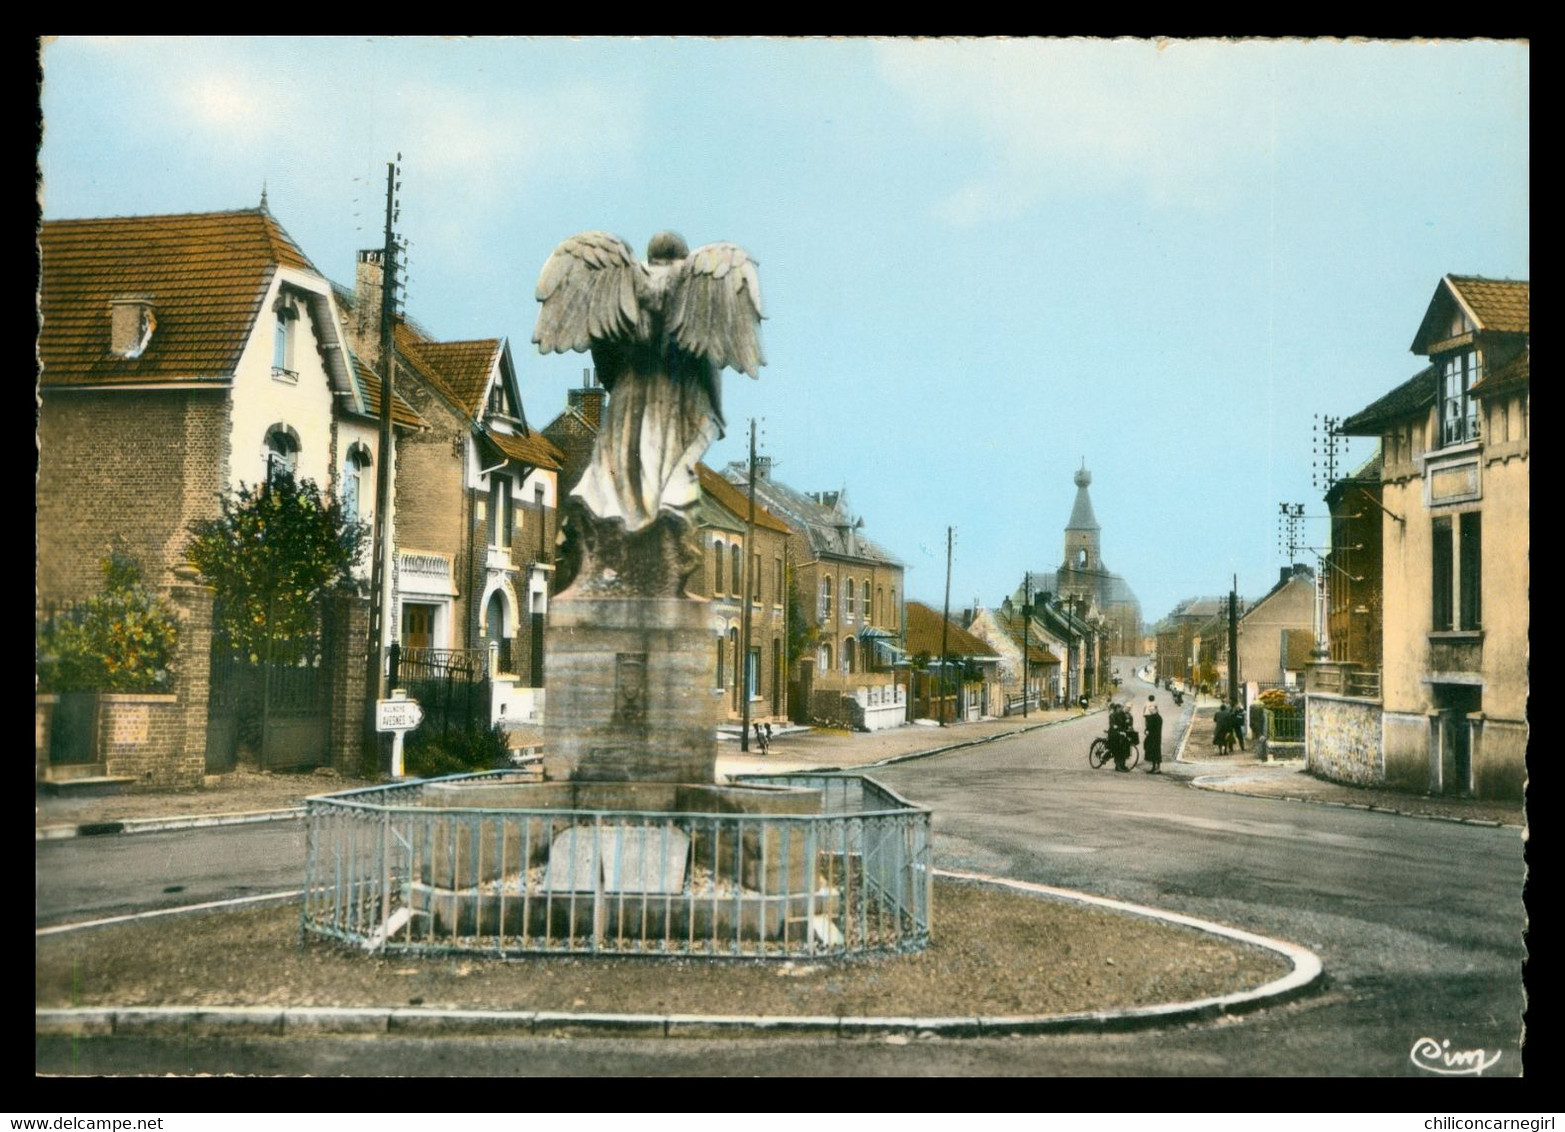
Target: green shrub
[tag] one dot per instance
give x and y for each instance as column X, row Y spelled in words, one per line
column 121, row 640
column 457, row 752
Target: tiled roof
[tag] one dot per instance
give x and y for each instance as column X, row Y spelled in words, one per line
column 923, row 635
column 464, row 367
column 1517, row 371
column 1413, row 396
column 206, row 274
column 1037, row 652
column 410, row 343
column 737, row 500
column 829, row 528
column 401, row 412
column 1500, row 304
column 534, row 449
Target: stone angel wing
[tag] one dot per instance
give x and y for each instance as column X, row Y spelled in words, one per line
column 591, row 289
column 715, row 310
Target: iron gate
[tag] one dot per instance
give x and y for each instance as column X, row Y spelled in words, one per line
column 277, row 709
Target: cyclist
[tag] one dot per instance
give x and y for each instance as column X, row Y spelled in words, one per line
column 1122, row 732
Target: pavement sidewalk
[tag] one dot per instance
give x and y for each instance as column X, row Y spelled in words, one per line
column 248, row 795
column 1244, row 772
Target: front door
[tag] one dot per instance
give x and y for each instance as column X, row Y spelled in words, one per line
column 418, row 626
column 1455, row 702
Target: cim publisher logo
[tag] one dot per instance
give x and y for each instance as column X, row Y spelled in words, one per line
column 1439, row 1057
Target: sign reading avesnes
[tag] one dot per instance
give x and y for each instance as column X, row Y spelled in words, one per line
column 397, row 715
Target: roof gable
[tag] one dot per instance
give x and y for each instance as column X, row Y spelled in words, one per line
column 205, row 275
column 1464, row 303
column 1412, row 397
column 924, row 629
column 737, row 502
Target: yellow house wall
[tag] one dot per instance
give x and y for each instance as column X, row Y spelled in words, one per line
column 1499, row 746
column 260, row 400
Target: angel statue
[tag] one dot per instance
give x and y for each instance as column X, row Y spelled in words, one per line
column 660, row 333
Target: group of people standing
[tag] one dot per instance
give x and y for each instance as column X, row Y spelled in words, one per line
column 1122, row 735
column 1228, row 728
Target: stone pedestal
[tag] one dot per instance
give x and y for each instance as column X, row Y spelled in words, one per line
column 629, row 690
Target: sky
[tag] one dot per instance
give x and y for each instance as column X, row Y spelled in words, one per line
column 982, row 262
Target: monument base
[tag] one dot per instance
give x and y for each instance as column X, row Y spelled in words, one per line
column 629, row 690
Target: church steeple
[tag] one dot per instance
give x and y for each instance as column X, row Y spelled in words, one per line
column 1083, row 550
column 1082, row 518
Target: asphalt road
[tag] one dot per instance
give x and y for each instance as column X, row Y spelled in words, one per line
column 1419, row 924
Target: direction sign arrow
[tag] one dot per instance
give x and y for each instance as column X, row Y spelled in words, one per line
column 397, row 715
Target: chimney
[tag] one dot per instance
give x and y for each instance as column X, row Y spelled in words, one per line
column 588, row 400
column 368, row 285
column 130, row 325
column 1287, row 575
column 763, row 467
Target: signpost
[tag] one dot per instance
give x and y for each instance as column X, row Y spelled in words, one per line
column 399, row 715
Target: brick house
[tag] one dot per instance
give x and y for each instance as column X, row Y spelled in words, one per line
column 966, row 674
column 1455, row 497
column 1002, row 630
column 850, row 591
column 721, row 524
column 475, row 503
column 727, row 567
column 1353, row 577
column 182, row 356
column 1276, row 634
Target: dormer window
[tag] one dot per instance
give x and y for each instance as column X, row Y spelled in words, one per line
column 1458, row 408
column 500, row 403
column 131, row 324
column 284, row 332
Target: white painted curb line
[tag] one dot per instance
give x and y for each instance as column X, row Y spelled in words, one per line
column 100, row 1021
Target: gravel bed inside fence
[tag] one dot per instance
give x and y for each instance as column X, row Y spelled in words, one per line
column 991, row 952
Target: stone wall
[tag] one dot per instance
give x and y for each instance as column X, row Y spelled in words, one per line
column 1342, row 740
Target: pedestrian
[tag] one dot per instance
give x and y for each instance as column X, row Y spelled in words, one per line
column 768, row 738
column 1237, row 725
column 1220, row 728
column 760, row 740
column 1122, row 732
column 1152, row 729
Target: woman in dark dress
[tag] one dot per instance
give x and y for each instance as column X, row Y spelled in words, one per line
column 1152, row 743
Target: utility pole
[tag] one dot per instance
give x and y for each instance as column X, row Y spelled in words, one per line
column 381, row 569
column 1026, row 625
column 744, row 609
column 1233, row 643
column 945, row 625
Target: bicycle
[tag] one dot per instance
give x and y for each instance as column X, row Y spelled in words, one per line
column 1100, row 753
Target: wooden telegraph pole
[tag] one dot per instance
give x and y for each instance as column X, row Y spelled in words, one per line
column 751, row 582
column 1026, row 625
column 381, row 570
column 945, row 625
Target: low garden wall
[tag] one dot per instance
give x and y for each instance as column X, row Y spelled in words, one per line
column 1343, row 741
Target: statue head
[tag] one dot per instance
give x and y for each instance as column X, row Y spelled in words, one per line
column 667, row 247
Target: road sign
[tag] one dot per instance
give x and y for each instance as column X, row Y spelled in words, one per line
column 397, row 715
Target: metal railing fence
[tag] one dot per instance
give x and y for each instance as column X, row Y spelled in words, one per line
column 388, row 868
column 1284, row 726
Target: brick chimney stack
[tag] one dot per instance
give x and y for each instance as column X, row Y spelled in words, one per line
column 588, row 400
column 368, row 287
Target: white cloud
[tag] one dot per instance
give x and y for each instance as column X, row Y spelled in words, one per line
column 1176, row 122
